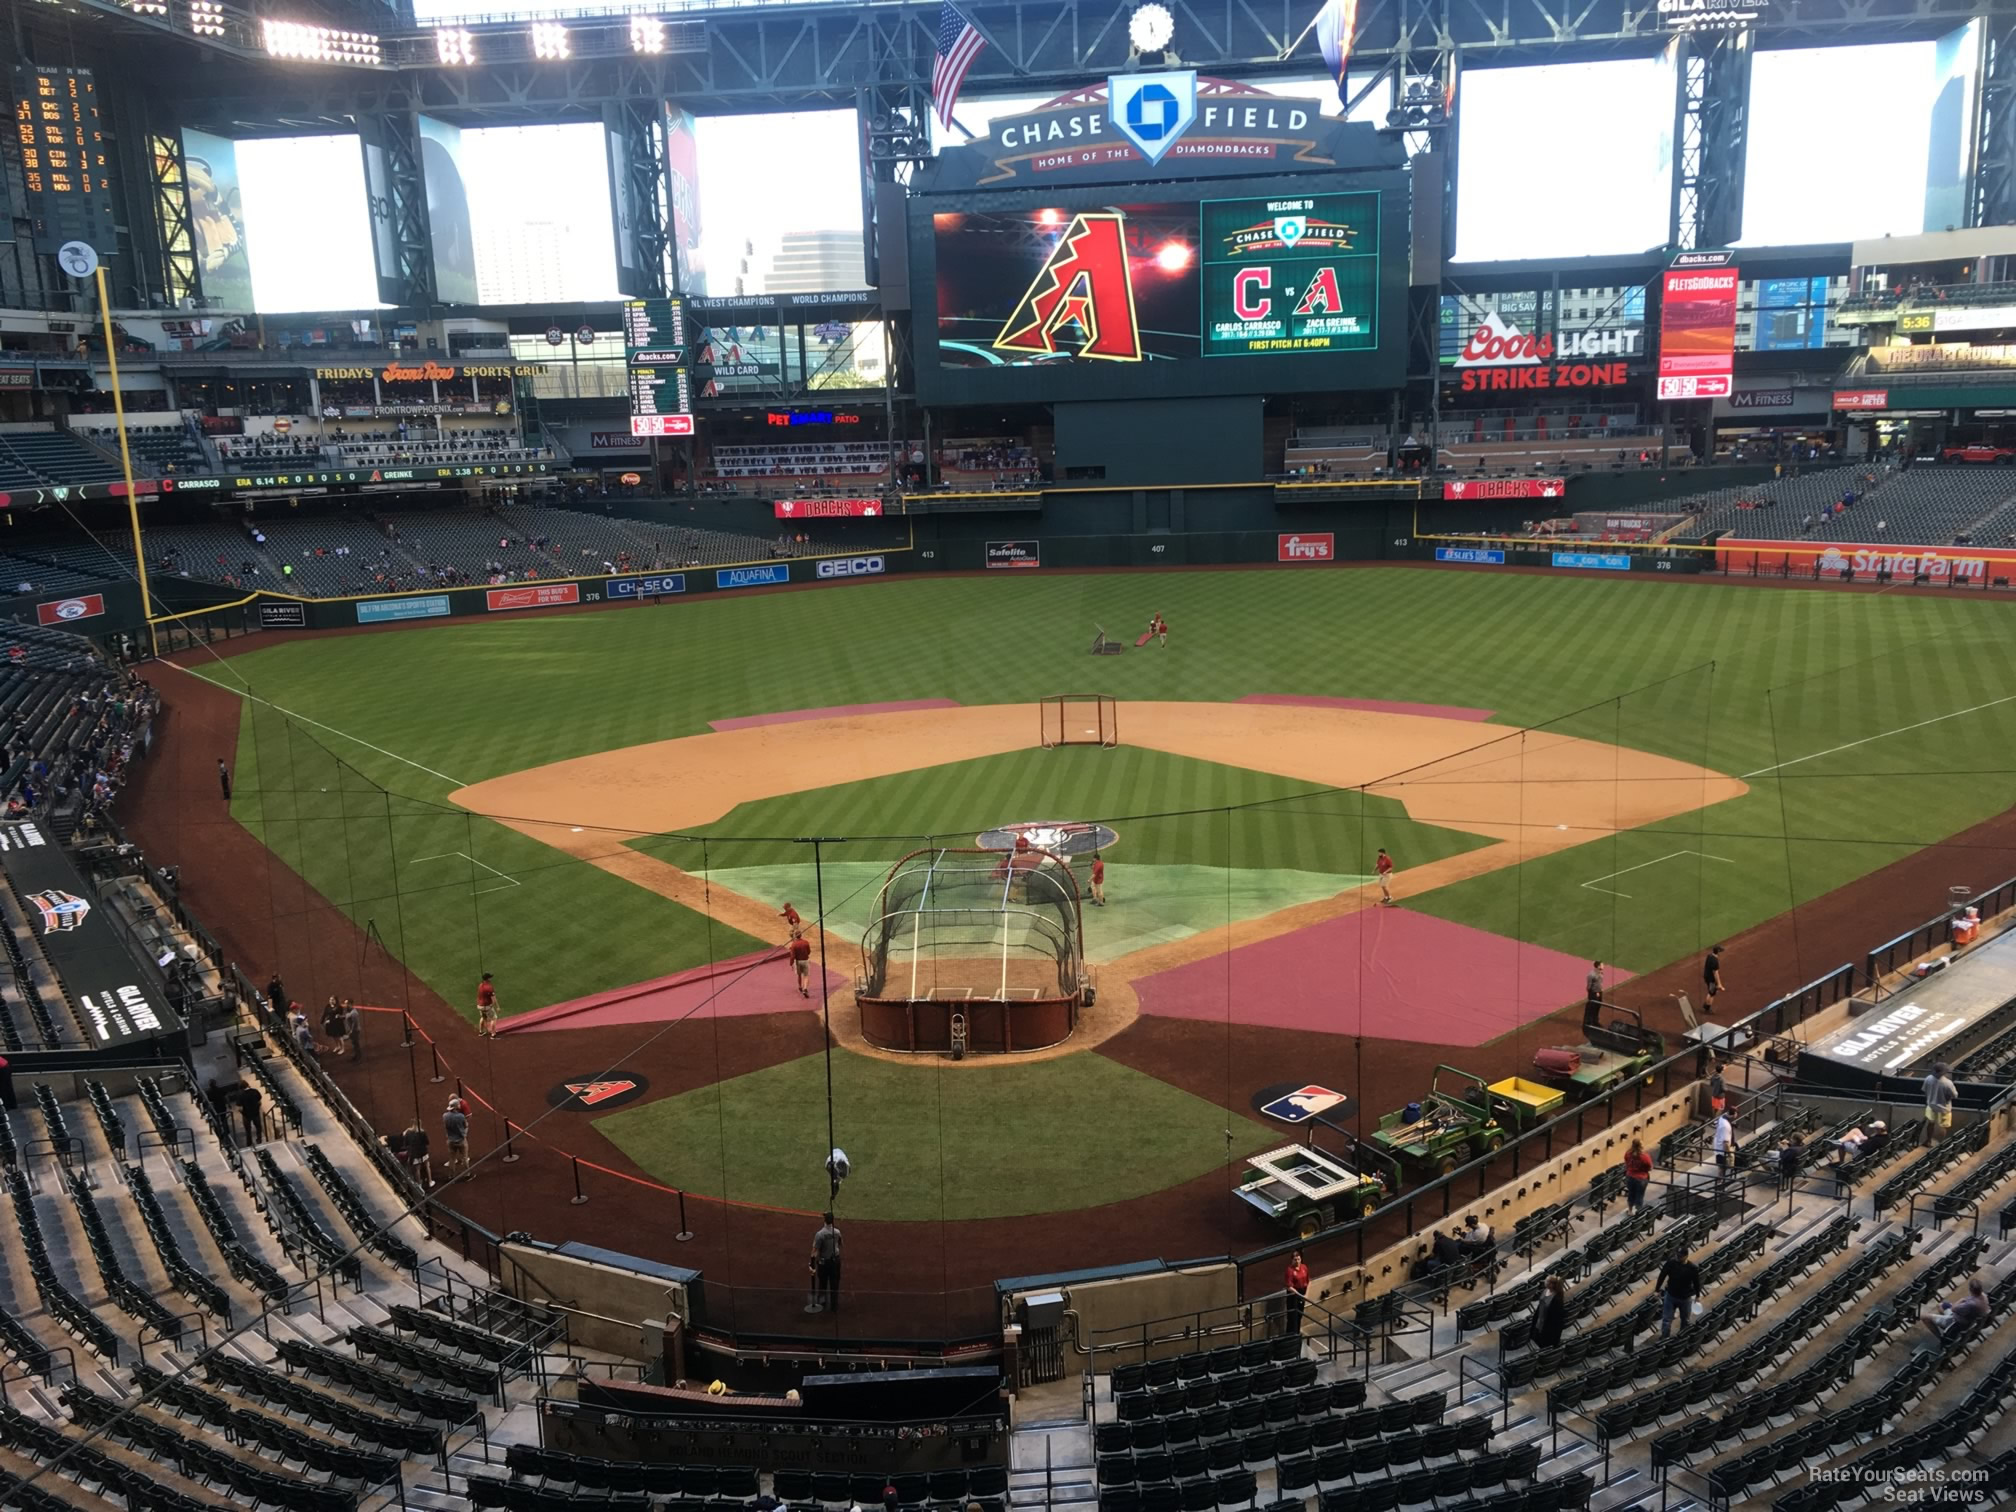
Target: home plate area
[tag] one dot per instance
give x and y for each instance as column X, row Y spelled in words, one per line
column 1384, row 973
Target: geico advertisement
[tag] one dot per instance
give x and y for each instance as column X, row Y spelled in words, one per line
column 850, row 567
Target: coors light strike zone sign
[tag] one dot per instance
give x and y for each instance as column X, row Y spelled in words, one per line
column 1499, row 358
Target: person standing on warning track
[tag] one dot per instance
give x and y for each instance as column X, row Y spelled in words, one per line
column 826, row 1266
column 486, row 1008
column 1098, row 880
column 1384, row 867
column 1711, row 977
column 800, row 952
column 1592, row 1002
column 224, row 778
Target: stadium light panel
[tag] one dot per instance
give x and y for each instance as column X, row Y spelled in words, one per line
column 549, row 40
column 454, row 48
column 320, row 44
column 647, row 34
column 206, row 18
column 146, row 7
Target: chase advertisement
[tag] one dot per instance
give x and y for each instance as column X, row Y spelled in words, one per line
column 1168, row 124
column 1164, row 297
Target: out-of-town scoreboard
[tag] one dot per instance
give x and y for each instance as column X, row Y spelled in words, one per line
column 656, row 362
column 63, row 157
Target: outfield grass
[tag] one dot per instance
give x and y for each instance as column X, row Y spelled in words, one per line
column 930, row 1143
column 1740, row 679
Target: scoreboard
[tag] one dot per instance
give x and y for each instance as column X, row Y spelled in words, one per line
column 1278, row 284
column 63, row 157
column 1293, row 274
column 655, row 357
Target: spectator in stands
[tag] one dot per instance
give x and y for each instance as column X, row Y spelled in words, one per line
column 304, row 1032
column 1791, row 1155
column 1972, row 1308
column 1725, row 1146
column 1480, row 1245
column 1637, row 1176
column 1718, row 1089
column 249, row 1100
column 1859, row 1142
column 1939, row 1095
column 1445, row 1253
column 419, row 1159
column 1550, row 1316
column 1296, row 1284
column 1678, row 1284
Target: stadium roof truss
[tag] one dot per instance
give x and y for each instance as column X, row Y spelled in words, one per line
column 794, row 55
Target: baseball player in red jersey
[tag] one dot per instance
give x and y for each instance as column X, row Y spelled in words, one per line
column 800, row 950
column 790, row 917
column 1098, row 880
column 486, row 1008
column 1385, row 869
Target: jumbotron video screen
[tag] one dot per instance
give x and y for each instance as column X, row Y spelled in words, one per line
column 1164, row 297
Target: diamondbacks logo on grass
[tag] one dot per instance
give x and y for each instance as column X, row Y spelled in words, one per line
column 599, row 1093
column 1059, row 837
column 61, row 911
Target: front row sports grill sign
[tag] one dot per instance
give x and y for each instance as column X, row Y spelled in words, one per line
column 115, row 1002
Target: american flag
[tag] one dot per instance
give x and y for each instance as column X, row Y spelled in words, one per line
column 959, row 43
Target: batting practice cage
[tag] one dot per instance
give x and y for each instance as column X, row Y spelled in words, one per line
column 971, row 949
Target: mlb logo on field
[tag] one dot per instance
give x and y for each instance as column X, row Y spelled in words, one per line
column 1303, row 1104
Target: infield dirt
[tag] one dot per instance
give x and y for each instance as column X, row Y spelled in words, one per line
column 1530, row 792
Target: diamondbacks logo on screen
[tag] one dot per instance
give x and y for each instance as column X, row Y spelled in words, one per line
column 1152, row 110
column 1084, row 293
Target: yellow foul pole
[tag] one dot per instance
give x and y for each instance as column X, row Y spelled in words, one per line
column 126, row 457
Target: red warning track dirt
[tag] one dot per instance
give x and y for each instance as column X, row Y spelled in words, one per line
column 266, row 918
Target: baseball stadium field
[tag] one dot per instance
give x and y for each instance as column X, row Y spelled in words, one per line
column 605, row 810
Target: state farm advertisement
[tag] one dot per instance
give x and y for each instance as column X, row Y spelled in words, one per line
column 1500, row 358
column 1305, row 548
column 825, row 509
column 1473, row 489
column 534, row 596
column 1957, row 566
column 1697, row 331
